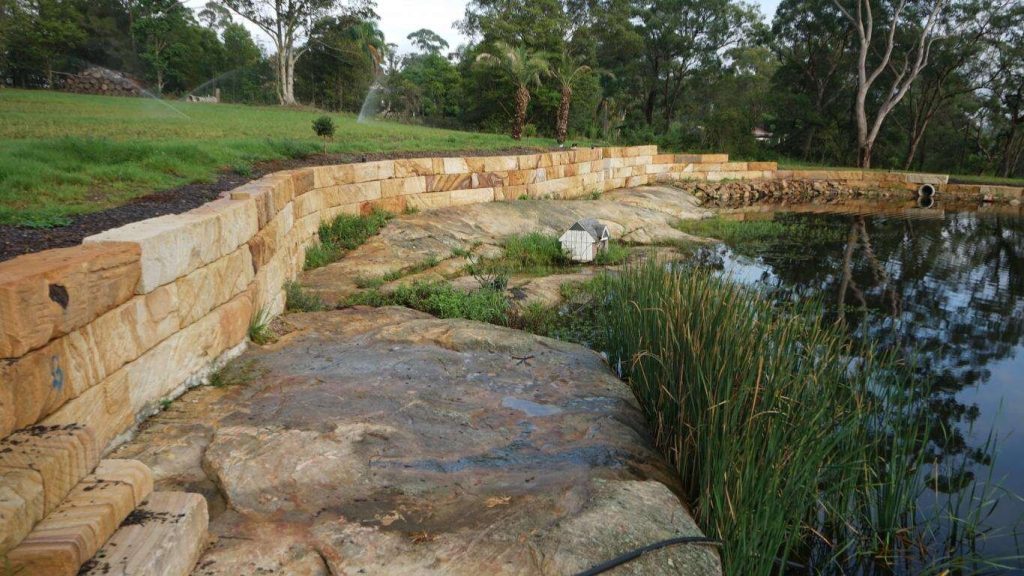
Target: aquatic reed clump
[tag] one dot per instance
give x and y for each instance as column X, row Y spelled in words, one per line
column 795, row 444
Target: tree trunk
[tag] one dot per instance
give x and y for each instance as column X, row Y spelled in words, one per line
column 522, row 101
column 562, row 130
column 864, row 155
column 159, row 81
column 288, row 88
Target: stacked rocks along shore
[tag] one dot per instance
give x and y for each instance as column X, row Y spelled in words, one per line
column 96, row 338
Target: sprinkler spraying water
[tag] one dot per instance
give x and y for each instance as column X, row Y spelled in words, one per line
column 371, row 104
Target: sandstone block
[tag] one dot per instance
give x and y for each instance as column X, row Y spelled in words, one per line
column 44, row 379
column 455, row 165
column 474, row 196
column 210, row 286
column 271, row 237
column 395, row 205
column 448, row 182
column 489, row 179
column 21, row 506
column 48, row 294
column 63, row 541
column 403, row 186
column 351, row 194
column 104, row 409
column 415, row 167
column 61, row 455
column 933, row 179
column 303, row 180
column 173, row 363
column 430, row 200
column 311, row 202
column 174, row 245
column 762, row 165
column 529, row 161
column 166, row 540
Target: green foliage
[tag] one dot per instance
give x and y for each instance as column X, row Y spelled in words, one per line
column 441, row 300
column 66, row 154
column 298, row 299
column 751, row 236
column 532, row 253
column 259, row 327
column 772, row 429
column 324, row 127
column 614, row 255
column 344, row 233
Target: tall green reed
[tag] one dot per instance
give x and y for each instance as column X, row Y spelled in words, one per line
column 796, row 445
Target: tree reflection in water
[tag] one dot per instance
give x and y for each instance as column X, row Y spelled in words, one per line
column 946, row 286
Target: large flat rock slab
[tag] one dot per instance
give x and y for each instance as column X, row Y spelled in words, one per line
column 637, row 216
column 385, row 441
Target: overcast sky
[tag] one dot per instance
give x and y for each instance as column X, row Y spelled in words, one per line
column 398, row 18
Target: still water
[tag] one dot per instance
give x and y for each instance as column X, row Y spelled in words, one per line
column 947, row 283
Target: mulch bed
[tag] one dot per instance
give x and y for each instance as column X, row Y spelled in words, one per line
column 17, row 240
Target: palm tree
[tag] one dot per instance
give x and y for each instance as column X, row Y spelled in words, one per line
column 523, row 67
column 567, row 72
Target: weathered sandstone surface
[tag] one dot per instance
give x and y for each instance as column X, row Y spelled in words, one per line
column 385, row 441
column 643, row 215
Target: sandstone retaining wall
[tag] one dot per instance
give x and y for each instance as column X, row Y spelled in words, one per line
column 100, row 333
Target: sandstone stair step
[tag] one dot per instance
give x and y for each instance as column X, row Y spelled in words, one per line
column 163, row 537
column 68, row 537
column 39, row 466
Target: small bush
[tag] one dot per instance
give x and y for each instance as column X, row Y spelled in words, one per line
column 595, row 195
column 297, row 299
column 410, row 210
column 324, row 128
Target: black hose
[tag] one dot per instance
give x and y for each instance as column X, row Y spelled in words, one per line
column 634, row 554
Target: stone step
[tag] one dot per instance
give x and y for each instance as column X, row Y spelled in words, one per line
column 163, row 537
column 63, row 541
column 39, row 466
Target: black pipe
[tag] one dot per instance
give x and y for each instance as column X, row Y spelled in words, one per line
column 634, row 554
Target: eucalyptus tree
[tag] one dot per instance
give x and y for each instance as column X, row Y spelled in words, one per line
column 288, row 23
column 893, row 39
column 523, row 67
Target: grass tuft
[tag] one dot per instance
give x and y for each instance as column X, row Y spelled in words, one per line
column 297, row 299
column 259, row 327
column 442, row 300
column 344, row 233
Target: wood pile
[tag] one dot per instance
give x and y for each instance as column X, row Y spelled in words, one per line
column 96, row 80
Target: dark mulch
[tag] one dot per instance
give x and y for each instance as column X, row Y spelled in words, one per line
column 17, row 240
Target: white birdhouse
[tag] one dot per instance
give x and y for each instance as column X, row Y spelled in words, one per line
column 585, row 239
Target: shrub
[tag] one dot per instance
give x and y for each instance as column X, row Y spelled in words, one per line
column 324, row 128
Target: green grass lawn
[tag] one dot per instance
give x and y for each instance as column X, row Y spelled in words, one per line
column 65, row 154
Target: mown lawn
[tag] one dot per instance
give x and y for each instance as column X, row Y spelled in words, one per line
column 65, row 154
column 785, row 164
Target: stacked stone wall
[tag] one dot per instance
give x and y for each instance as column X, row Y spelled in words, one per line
column 101, row 333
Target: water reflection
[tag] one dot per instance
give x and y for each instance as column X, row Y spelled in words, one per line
column 946, row 283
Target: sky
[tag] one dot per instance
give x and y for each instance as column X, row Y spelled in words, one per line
column 398, row 18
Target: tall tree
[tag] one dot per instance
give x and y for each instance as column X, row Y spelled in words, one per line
column 878, row 54
column 524, row 68
column 428, row 41
column 288, row 22
column 567, row 71
column 682, row 38
column 159, row 29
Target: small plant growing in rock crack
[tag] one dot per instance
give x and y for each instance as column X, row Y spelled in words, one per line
column 460, row 252
column 324, row 128
column 595, row 195
column 165, row 403
column 259, row 327
column 297, row 299
column 410, row 210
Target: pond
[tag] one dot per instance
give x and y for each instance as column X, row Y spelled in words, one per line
column 947, row 283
